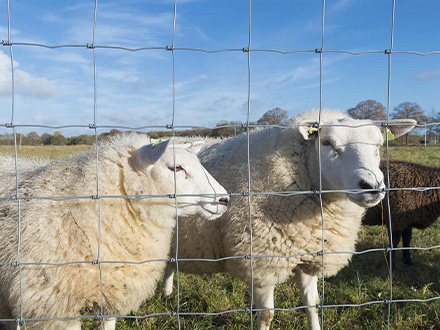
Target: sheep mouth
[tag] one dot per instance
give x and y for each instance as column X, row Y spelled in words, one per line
column 368, row 199
column 215, row 209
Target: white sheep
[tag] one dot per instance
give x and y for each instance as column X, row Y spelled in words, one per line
column 132, row 230
column 286, row 160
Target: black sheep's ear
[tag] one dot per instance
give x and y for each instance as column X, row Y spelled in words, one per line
column 150, row 154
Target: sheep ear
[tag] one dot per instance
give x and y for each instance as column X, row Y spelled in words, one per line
column 308, row 130
column 196, row 146
column 150, row 154
column 400, row 127
column 193, row 146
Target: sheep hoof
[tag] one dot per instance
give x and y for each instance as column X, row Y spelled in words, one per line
column 166, row 295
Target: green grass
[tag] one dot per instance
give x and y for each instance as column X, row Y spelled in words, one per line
column 44, row 151
column 429, row 155
column 365, row 279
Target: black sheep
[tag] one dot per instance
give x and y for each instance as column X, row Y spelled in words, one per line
column 409, row 209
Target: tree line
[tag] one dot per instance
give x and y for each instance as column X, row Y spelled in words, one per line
column 369, row 109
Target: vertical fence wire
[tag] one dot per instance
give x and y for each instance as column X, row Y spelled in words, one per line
column 320, row 165
column 251, row 265
column 98, row 199
column 12, row 124
column 174, row 160
column 249, row 193
column 388, row 303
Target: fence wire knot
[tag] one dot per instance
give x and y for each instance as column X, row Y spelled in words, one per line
column 14, row 264
column 387, row 51
column 172, row 196
column 245, row 50
column 318, row 50
column 18, row 320
column 13, row 198
column 387, row 302
column 9, row 125
column 172, row 259
column 319, row 306
column 320, row 253
column 95, row 262
column 99, row 317
column 247, row 256
column 6, row 43
column 92, row 126
column 95, row 197
column 90, row 46
column 169, row 48
column 169, row 126
column 247, row 310
column 173, row 313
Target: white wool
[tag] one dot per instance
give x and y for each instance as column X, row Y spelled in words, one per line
column 286, row 160
column 67, row 231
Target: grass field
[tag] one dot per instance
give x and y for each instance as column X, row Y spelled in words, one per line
column 44, row 151
column 365, row 279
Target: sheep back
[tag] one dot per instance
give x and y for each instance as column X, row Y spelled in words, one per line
column 66, row 231
column 409, row 208
column 280, row 161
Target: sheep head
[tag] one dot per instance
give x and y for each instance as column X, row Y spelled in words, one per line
column 173, row 169
column 350, row 157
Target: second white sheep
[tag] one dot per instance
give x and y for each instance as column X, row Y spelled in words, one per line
column 286, row 222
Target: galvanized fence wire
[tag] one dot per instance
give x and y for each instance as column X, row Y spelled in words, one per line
column 249, row 193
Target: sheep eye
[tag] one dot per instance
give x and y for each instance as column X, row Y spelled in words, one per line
column 178, row 168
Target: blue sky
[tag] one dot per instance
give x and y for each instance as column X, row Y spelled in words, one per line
column 55, row 86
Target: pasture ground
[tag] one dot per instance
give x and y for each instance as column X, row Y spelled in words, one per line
column 364, row 280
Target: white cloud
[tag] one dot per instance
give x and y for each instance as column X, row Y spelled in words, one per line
column 25, row 83
column 338, row 5
column 426, row 75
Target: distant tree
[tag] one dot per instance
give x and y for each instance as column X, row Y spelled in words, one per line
column 81, row 139
column 33, row 139
column 369, row 109
column 59, row 139
column 223, row 129
column 115, row 131
column 276, row 116
column 409, row 110
column 434, row 117
column 46, row 139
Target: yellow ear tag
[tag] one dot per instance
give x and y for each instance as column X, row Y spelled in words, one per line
column 388, row 134
column 312, row 130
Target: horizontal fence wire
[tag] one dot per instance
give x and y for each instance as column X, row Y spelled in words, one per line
column 95, row 126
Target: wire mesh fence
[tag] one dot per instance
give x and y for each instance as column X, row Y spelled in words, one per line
column 97, row 197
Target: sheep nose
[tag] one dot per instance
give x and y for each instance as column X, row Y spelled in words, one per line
column 224, row 201
column 365, row 185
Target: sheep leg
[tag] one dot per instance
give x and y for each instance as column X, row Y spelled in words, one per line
column 263, row 296
column 308, row 286
column 167, row 283
column 406, row 241
column 12, row 326
column 110, row 324
column 397, row 234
